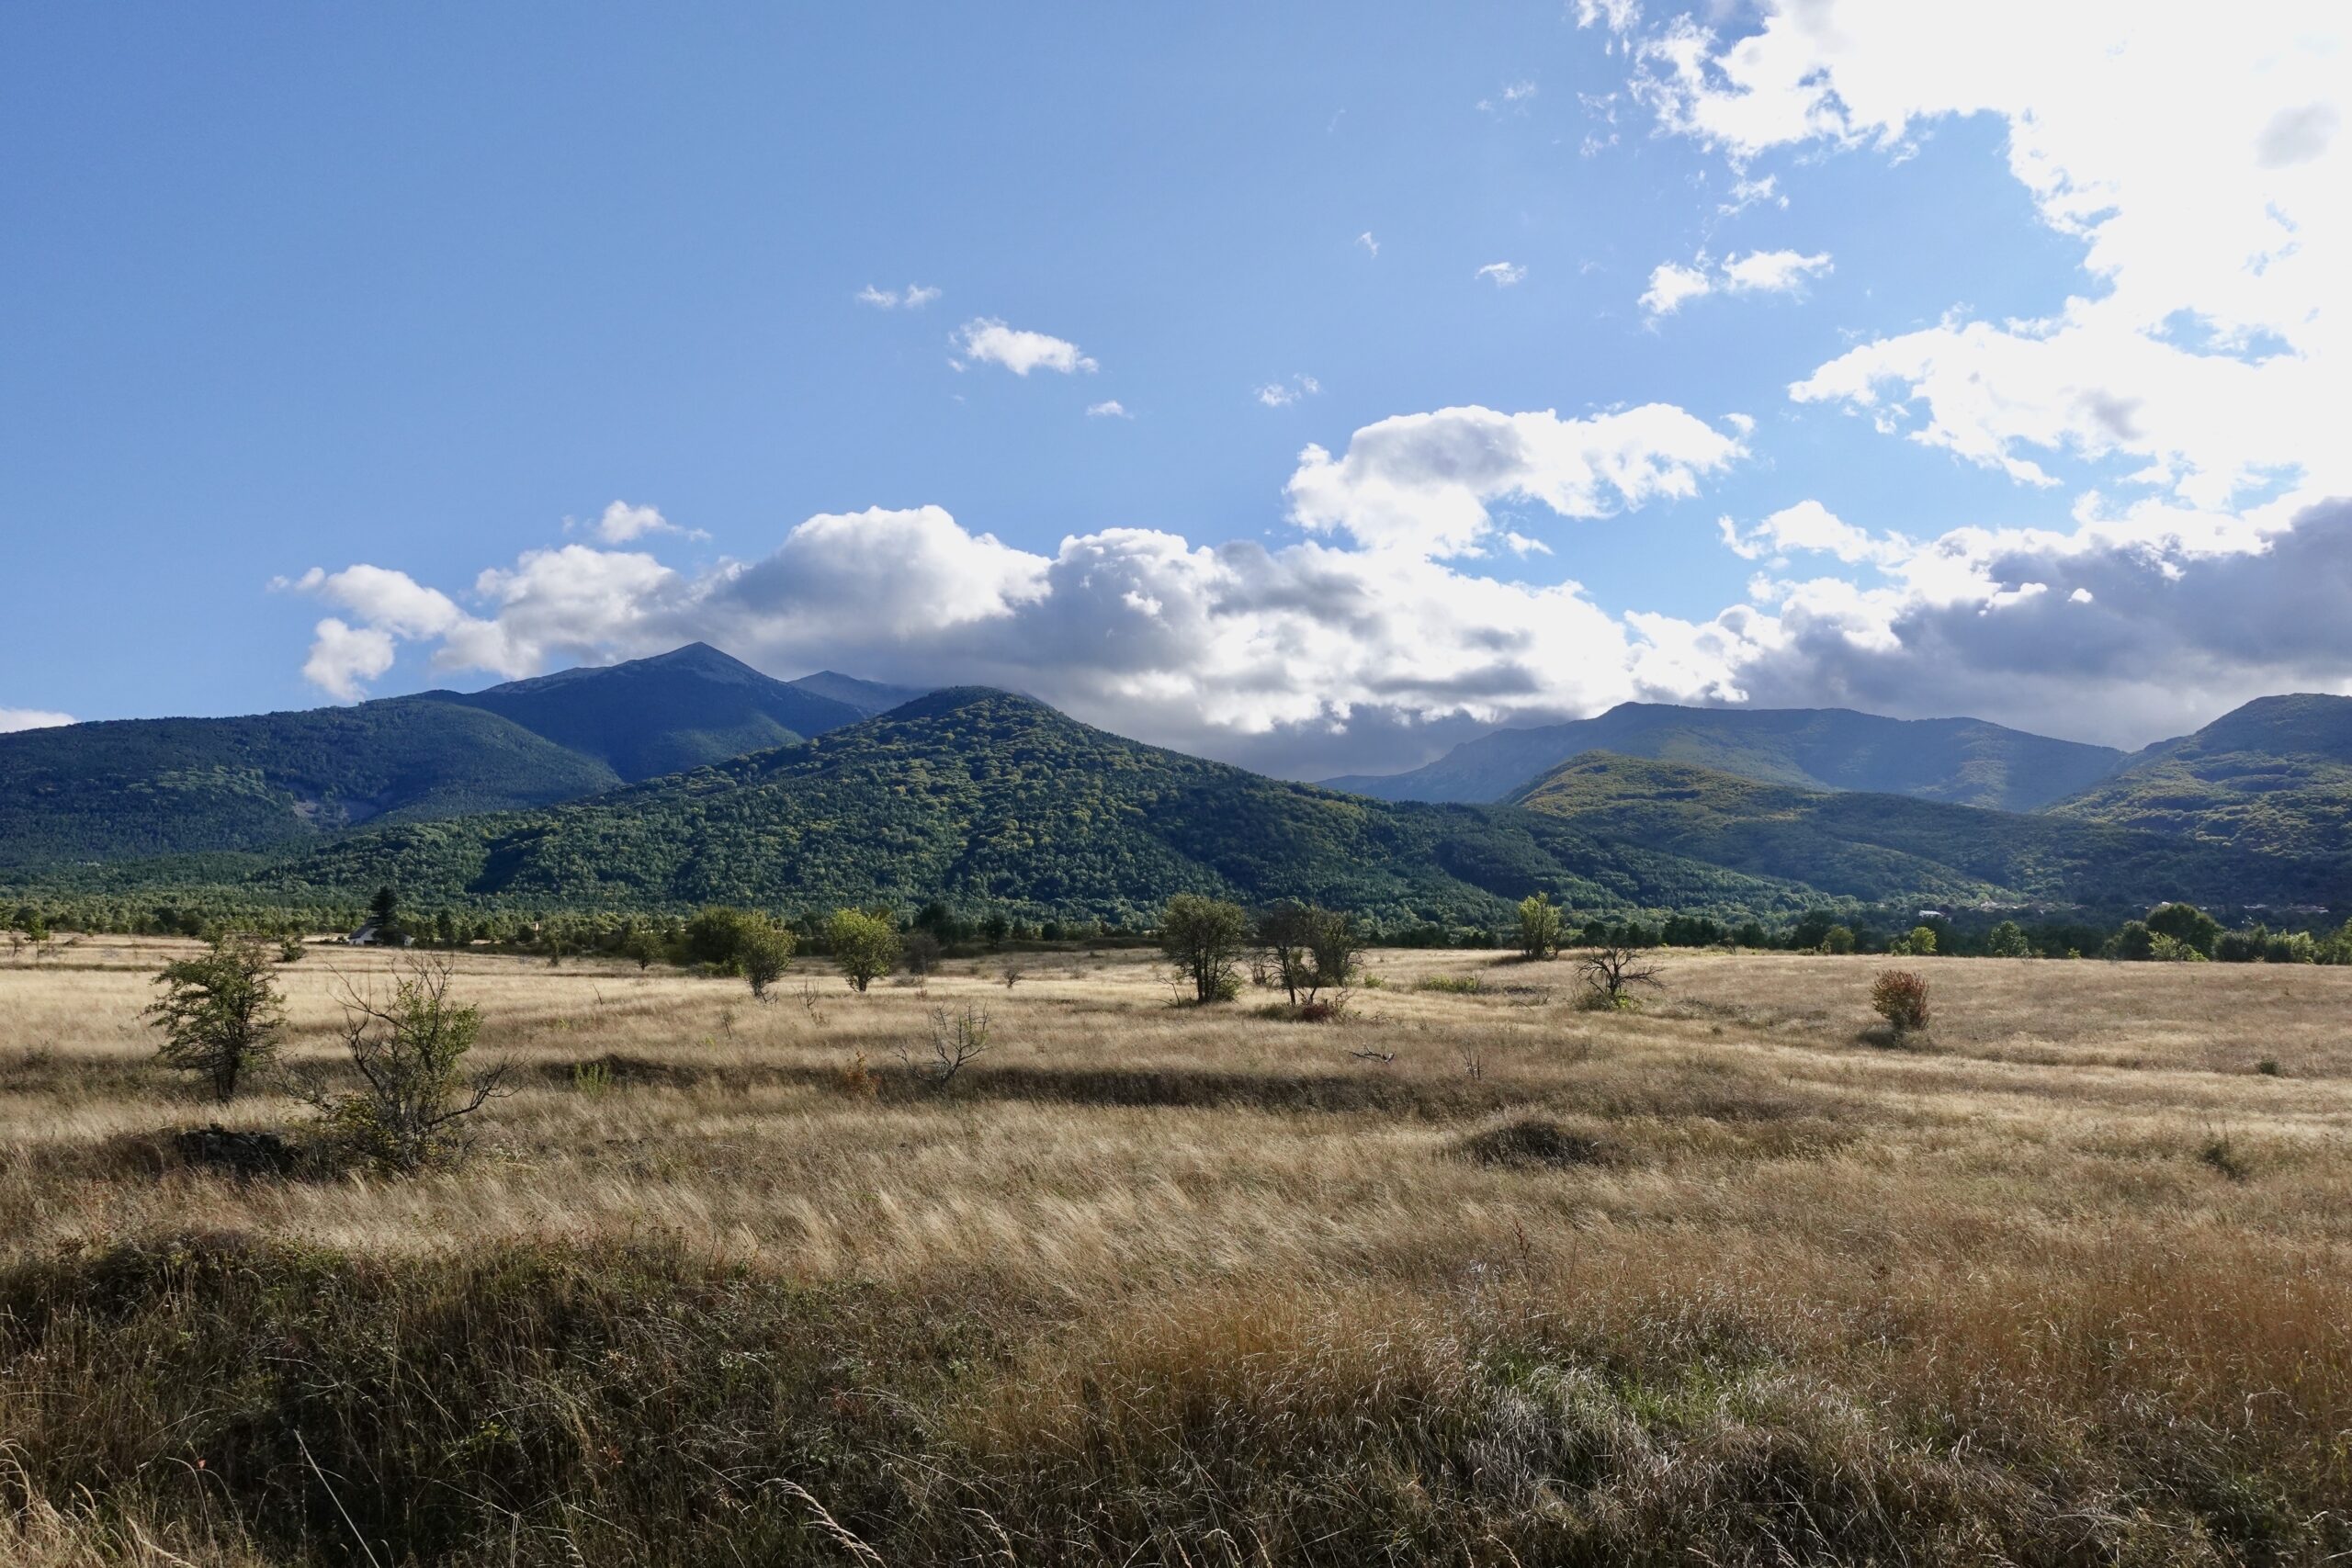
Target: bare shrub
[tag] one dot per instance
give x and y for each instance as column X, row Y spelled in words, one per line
column 1612, row 972
column 958, row 1036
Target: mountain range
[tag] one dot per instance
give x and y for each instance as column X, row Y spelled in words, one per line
column 133, row 788
column 688, row 778
column 1963, row 762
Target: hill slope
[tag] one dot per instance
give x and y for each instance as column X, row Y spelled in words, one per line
column 2273, row 776
column 153, row 786
column 867, row 698
column 1964, row 761
column 678, row 710
column 1885, row 848
column 977, row 796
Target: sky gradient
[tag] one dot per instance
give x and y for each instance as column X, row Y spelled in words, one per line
column 1307, row 386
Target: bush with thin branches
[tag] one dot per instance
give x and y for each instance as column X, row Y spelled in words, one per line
column 410, row 1049
column 1900, row 996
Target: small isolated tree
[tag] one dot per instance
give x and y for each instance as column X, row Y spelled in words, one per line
column 410, row 1048
column 1539, row 926
column 1203, row 939
column 1613, row 971
column 1901, row 998
column 1839, row 940
column 863, row 943
column 922, row 952
column 221, row 1013
column 763, row 952
column 1335, row 946
column 2007, row 941
column 2187, row 925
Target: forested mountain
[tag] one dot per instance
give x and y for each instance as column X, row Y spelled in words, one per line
column 2275, row 775
column 674, row 711
column 137, row 787
column 1884, row 848
column 1964, row 761
column 980, row 796
column 155, row 787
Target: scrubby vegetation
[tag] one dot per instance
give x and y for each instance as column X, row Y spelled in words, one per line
column 1471, row 1276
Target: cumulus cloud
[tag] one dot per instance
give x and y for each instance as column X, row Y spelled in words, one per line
column 13, row 719
column 1424, row 482
column 1503, row 273
column 1110, row 408
column 988, row 341
column 1810, row 526
column 914, row 297
column 1759, row 272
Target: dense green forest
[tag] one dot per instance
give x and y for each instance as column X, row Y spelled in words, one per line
column 980, row 796
column 136, row 788
column 1879, row 848
column 162, row 786
column 2274, row 777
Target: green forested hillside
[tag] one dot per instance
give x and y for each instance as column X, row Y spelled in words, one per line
column 977, row 796
column 678, row 710
column 1964, row 761
column 2273, row 776
column 1883, row 848
column 139, row 787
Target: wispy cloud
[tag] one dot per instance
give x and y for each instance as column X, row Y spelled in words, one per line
column 1672, row 285
column 914, row 297
column 1370, row 244
column 1110, row 408
column 1503, row 273
column 1281, row 394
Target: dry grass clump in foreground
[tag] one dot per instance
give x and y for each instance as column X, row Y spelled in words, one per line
column 1519, row 1282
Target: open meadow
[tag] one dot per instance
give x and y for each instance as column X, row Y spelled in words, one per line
column 1468, row 1275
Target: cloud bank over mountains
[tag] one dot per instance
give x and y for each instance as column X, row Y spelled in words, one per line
column 2199, row 370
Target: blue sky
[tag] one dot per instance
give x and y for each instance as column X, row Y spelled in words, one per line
column 293, row 287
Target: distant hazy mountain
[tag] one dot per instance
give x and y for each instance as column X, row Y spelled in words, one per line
column 1964, row 761
column 664, row 715
column 979, row 795
column 2273, row 776
column 1889, row 847
column 138, row 787
column 868, row 697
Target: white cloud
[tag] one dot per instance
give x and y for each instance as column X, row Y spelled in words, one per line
column 1810, row 527
column 1670, row 285
column 990, row 340
column 1759, row 272
column 1503, row 273
column 1281, row 394
column 1370, row 246
column 1772, row 272
column 622, row 523
column 1747, row 193
column 1110, row 408
column 1422, row 482
column 914, row 297
column 14, row 719
column 2222, row 207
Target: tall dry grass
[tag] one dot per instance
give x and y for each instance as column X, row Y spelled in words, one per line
column 1161, row 1283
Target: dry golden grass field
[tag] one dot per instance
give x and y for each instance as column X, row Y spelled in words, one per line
column 1473, row 1278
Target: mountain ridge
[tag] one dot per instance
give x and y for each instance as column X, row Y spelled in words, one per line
column 1965, row 761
